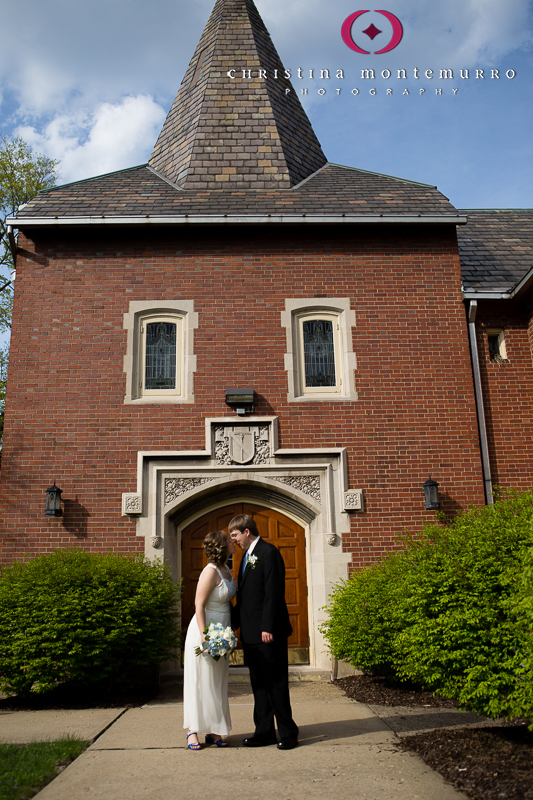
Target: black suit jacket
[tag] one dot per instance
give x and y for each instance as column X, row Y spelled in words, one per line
column 261, row 602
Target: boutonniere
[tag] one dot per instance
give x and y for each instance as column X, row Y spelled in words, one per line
column 252, row 561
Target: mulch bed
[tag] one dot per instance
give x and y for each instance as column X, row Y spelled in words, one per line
column 486, row 763
column 377, row 691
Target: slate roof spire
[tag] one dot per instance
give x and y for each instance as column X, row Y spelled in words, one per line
column 242, row 133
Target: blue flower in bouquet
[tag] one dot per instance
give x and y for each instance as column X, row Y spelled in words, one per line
column 219, row 641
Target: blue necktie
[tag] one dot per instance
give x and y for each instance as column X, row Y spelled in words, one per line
column 244, row 560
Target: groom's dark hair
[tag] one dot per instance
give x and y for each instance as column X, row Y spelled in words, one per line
column 241, row 522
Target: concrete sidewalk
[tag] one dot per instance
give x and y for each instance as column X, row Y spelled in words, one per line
column 139, row 754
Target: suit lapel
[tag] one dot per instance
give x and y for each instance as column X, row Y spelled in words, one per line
column 248, row 565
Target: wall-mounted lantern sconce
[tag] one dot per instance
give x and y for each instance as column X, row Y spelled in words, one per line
column 242, row 400
column 431, row 493
column 53, row 501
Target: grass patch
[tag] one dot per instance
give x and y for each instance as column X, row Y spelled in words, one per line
column 26, row 768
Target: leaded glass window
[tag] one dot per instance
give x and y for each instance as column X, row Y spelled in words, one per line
column 160, row 358
column 319, row 353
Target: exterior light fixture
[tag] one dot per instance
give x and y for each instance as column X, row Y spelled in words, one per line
column 242, row 400
column 431, row 493
column 53, row 501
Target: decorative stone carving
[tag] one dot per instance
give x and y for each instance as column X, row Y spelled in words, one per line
column 353, row 500
column 175, row 487
column 155, row 541
column 242, row 444
column 331, row 538
column 308, row 484
column 132, row 504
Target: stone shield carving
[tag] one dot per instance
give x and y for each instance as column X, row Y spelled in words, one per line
column 241, row 444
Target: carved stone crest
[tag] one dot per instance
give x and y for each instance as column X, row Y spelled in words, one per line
column 241, row 444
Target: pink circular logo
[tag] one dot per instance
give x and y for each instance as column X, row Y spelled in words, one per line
column 372, row 32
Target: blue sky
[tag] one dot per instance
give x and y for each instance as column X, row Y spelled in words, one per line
column 90, row 84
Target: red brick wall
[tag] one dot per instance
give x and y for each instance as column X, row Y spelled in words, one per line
column 508, row 393
column 65, row 416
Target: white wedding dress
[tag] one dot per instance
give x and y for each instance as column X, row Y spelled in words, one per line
column 205, row 681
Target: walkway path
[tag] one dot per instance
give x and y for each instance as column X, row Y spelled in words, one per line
column 346, row 750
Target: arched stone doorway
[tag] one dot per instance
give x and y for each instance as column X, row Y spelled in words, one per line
column 284, row 533
column 308, row 487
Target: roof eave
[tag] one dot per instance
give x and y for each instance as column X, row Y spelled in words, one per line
column 486, row 294
column 518, row 289
column 238, row 219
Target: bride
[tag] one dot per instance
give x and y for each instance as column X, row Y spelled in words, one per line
column 205, row 682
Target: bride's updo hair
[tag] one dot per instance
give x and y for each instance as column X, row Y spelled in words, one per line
column 216, row 547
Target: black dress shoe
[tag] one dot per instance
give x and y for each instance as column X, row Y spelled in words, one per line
column 258, row 741
column 288, row 744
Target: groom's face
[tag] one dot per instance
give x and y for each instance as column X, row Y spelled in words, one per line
column 243, row 538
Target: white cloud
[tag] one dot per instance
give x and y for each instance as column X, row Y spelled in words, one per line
column 113, row 137
column 41, row 86
column 470, row 31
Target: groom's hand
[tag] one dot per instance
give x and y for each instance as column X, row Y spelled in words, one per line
column 267, row 638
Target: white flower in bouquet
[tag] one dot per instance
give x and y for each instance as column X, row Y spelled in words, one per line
column 219, row 641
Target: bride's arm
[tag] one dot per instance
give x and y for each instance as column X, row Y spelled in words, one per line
column 206, row 583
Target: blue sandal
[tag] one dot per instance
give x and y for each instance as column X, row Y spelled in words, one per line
column 193, row 745
column 219, row 742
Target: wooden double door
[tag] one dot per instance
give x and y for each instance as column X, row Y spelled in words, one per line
column 275, row 528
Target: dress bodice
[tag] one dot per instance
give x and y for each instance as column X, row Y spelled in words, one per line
column 221, row 595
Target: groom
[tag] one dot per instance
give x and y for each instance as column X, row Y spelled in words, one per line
column 261, row 613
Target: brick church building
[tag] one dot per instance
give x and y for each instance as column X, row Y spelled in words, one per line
column 241, row 326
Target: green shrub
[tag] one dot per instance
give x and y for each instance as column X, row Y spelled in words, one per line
column 452, row 611
column 362, row 619
column 83, row 617
column 461, row 636
column 521, row 604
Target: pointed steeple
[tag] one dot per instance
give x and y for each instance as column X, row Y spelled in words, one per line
column 241, row 132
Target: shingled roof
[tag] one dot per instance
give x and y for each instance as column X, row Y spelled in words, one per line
column 334, row 190
column 236, row 132
column 495, row 247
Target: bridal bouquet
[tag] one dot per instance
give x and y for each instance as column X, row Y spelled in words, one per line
column 219, row 641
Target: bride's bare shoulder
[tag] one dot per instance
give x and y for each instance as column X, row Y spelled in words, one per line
column 208, row 572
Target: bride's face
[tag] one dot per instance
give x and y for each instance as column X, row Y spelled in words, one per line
column 230, row 550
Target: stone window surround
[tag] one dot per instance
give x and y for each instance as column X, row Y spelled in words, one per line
column 182, row 310
column 346, row 317
column 502, row 345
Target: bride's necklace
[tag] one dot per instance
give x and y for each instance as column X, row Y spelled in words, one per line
column 226, row 570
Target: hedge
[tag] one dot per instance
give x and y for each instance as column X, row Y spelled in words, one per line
column 83, row 617
column 451, row 611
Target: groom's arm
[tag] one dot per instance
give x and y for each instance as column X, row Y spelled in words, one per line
column 274, row 593
column 235, row 612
